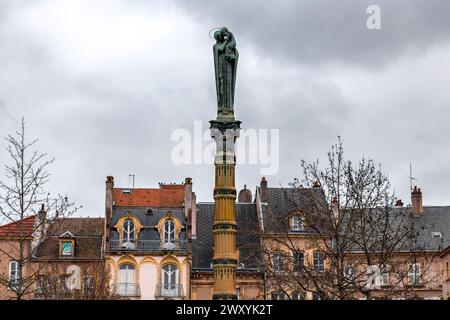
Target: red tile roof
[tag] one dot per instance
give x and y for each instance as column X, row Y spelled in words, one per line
column 13, row 229
column 171, row 195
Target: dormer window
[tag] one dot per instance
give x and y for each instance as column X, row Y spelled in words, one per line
column 66, row 248
column 297, row 223
column 169, row 228
column 128, row 231
column 169, row 231
column 66, row 244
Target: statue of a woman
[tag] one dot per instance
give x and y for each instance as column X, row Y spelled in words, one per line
column 225, row 63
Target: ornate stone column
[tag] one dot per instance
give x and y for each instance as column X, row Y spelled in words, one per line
column 225, row 131
column 225, row 226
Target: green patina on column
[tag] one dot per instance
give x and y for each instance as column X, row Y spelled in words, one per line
column 225, row 131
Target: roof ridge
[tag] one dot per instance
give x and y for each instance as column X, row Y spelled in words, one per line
column 14, row 222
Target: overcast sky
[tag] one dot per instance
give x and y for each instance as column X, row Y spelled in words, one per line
column 104, row 83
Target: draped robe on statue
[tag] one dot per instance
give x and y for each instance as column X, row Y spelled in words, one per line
column 225, row 62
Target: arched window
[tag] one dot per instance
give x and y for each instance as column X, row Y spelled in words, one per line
column 128, row 231
column 297, row 223
column 169, row 231
column 127, row 280
column 170, row 280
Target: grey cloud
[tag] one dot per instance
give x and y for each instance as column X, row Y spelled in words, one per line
column 109, row 106
column 312, row 32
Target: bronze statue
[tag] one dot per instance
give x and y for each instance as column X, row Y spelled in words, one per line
column 225, row 63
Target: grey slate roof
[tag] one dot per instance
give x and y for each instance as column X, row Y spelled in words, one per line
column 148, row 221
column 247, row 238
column 433, row 219
column 88, row 234
column 280, row 201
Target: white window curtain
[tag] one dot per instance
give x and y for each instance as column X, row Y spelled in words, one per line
column 170, row 280
column 14, row 273
column 414, row 274
column 377, row 276
column 297, row 223
column 127, row 279
column 169, row 231
column 128, row 231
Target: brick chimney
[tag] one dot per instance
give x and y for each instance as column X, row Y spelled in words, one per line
column 187, row 196
column 245, row 195
column 108, row 207
column 263, row 189
column 416, row 201
column 40, row 227
column 194, row 216
column 42, row 221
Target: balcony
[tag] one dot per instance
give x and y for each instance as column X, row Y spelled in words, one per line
column 174, row 291
column 129, row 290
column 147, row 245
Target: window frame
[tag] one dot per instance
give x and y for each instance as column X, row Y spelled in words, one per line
column 315, row 296
column 349, row 276
column 277, row 264
column 278, row 294
column 297, row 223
column 127, row 231
column 383, row 276
column 61, row 247
column 414, row 274
column 320, row 265
column 298, row 296
column 171, row 271
column 13, row 280
column 169, row 236
column 297, row 266
column 379, row 276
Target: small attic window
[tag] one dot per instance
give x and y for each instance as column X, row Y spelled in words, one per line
column 66, row 244
column 126, row 191
column 436, row 234
column 149, row 211
column 66, row 248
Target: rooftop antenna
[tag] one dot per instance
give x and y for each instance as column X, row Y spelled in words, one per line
column 411, row 178
column 131, row 177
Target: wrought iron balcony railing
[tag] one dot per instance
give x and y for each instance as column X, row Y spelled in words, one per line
column 169, row 291
column 127, row 289
column 147, row 245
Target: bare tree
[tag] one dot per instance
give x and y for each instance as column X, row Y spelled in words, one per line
column 361, row 245
column 22, row 192
column 92, row 283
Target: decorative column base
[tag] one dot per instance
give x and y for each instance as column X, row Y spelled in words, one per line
column 225, row 227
